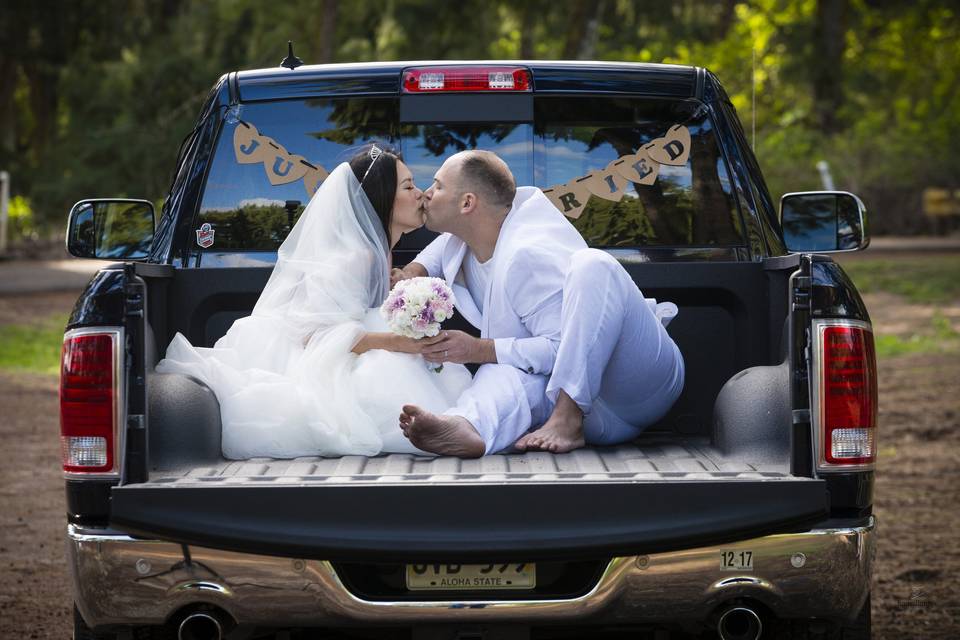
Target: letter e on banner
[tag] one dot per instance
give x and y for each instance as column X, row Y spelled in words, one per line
column 638, row 168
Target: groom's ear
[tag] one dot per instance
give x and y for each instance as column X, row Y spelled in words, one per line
column 468, row 203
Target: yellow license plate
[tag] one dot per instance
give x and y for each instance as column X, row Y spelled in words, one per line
column 471, row 577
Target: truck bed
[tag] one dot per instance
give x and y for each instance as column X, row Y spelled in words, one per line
column 652, row 458
column 662, row 492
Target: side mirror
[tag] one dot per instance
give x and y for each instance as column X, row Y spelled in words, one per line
column 823, row 222
column 110, row 229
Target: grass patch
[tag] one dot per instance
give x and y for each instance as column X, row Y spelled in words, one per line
column 34, row 347
column 920, row 280
column 942, row 339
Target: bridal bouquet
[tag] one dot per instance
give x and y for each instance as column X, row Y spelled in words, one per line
column 416, row 307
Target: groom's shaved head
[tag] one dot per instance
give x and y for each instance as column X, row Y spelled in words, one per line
column 484, row 173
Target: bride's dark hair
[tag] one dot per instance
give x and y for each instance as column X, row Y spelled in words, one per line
column 378, row 181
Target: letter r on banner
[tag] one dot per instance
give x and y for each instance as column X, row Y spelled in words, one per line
column 569, row 201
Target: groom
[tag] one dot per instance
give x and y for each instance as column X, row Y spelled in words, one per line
column 567, row 340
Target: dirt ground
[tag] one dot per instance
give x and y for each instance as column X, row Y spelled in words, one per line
column 916, row 591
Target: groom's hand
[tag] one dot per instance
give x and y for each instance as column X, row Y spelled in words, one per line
column 458, row 347
column 396, row 276
column 412, row 270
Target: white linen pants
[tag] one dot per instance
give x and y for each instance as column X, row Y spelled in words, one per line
column 615, row 360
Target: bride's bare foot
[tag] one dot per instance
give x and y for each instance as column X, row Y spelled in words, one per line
column 443, row 434
column 562, row 432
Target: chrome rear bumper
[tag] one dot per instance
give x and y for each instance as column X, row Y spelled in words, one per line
column 118, row 580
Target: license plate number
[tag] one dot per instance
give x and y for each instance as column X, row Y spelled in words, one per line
column 736, row 560
column 471, row 577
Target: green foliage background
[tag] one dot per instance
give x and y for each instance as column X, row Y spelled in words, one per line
column 95, row 95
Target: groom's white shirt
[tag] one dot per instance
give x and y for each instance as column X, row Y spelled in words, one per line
column 524, row 295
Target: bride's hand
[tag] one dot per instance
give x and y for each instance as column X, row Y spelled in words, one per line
column 402, row 344
column 391, row 342
column 386, row 341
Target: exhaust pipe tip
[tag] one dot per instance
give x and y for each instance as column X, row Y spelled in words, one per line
column 201, row 625
column 739, row 623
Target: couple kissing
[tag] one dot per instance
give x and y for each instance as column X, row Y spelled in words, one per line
column 570, row 353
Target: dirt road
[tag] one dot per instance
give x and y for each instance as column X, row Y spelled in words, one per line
column 916, row 588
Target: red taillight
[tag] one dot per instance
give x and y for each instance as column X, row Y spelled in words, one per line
column 481, row 78
column 848, row 395
column 89, row 401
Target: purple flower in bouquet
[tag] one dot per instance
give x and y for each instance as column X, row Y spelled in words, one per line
column 416, row 307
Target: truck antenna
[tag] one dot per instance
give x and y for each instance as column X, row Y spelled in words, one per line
column 291, row 61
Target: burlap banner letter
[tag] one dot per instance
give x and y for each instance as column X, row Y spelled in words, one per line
column 248, row 144
column 611, row 182
column 673, row 148
column 638, row 168
column 569, row 198
column 313, row 178
column 281, row 166
column 606, row 184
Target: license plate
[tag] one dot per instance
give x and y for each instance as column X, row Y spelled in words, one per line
column 471, row 577
column 736, row 560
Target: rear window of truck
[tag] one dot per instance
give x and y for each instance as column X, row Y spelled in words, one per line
column 594, row 157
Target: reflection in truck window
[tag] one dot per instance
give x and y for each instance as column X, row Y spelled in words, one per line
column 425, row 147
column 252, row 210
column 689, row 205
column 251, row 206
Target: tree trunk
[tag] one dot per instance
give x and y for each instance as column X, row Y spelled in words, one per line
column 588, row 46
column 576, row 27
column 8, row 83
column 725, row 19
column 829, row 36
column 43, row 83
column 528, row 17
column 328, row 33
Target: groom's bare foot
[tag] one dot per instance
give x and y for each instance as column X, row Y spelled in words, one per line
column 443, row 434
column 562, row 432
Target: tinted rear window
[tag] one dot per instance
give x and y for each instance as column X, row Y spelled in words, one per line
column 575, row 149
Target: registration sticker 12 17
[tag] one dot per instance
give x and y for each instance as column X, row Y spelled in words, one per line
column 739, row 560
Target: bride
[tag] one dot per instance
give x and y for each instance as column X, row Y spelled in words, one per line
column 313, row 370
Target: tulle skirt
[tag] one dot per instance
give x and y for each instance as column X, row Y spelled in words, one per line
column 281, row 397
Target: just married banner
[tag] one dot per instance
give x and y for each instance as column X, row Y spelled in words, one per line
column 610, row 183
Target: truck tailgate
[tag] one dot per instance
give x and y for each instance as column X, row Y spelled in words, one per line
column 661, row 495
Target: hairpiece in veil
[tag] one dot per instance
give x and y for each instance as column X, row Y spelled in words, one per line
column 375, row 152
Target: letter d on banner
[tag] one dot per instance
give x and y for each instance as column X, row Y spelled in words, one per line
column 673, row 148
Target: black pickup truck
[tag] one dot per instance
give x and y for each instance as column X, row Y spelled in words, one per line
column 745, row 513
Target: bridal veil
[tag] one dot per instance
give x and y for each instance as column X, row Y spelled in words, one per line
column 283, row 374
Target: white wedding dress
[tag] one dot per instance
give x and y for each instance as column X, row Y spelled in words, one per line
column 286, row 379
